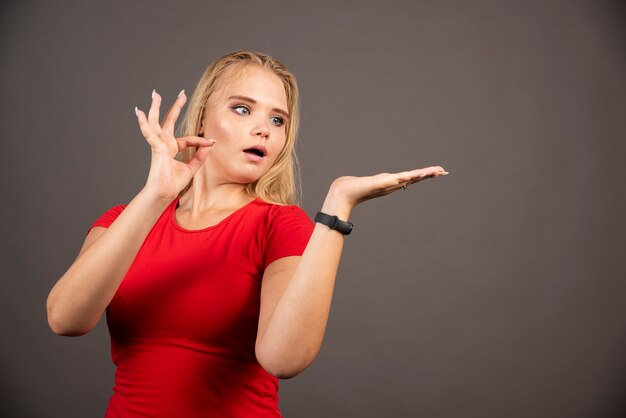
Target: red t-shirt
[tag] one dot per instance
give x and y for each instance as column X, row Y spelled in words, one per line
column 183, row 322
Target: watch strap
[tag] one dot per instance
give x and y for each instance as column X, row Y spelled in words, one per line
column 333, row 222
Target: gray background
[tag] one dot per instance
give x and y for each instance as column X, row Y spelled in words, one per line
column 493, row 292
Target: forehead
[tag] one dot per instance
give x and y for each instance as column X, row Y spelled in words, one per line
column 252, row 81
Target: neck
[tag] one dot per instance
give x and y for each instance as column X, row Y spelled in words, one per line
column 203, row 196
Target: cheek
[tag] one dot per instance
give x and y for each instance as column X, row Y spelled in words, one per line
column 221, row 129
column 282, row 143
column 278, row 150
column 223, row 124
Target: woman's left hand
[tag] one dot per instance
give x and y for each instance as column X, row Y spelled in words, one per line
column 354, row 190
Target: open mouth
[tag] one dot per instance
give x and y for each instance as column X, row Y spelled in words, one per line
column 255, row 151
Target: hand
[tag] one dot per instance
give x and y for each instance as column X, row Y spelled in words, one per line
column 167, row 177
column 351, row 191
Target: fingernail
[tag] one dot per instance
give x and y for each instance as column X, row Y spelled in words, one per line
column 136, row 111
column 153, row 91
column 445, row 173
column 181, row 92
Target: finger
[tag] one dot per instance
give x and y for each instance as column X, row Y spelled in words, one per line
column 422, row 173
column 153, row 113
column 393, row 180
column 407, row 178
column 437, row 171
column 172, row 114
column 429, row 175
column 199, row 158
column 144, row 126
column 193, row 141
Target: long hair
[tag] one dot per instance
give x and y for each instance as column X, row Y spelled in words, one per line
column 281, row 183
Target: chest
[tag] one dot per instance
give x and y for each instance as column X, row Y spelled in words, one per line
column 186, row 220
column 199, row 286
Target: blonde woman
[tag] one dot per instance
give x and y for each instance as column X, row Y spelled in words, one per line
column 215, row 283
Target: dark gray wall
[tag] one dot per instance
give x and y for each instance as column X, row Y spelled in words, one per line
column 496, row 291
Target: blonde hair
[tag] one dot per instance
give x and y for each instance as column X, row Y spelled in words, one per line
column 281, row 183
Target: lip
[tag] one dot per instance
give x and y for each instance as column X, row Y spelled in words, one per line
column 260, row 148
column 253, row 157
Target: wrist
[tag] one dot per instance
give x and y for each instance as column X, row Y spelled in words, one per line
column 334, row 223
column 336, row 205
column 155, row 198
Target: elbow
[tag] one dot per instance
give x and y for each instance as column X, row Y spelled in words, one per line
column 66, row 330
column 63, row 329
column 282, row 371
column 61, row 326
column 283, row 365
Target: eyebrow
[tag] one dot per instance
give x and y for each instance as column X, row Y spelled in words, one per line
column 251, row 100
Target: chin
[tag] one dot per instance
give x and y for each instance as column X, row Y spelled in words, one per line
column 248, row 179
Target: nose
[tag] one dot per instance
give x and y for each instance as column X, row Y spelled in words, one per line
column 261, row 129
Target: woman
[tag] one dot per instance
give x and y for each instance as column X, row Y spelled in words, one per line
column 215, row 284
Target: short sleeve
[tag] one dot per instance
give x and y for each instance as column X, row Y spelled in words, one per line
column 289, row 233
column 108, row 217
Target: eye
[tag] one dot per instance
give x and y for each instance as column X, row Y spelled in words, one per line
column 241, row 109
column 277, row 121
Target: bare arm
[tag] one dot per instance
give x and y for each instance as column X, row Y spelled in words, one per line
column 297, row 291
column 78, row 300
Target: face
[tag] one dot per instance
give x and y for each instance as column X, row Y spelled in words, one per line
column 247, row 116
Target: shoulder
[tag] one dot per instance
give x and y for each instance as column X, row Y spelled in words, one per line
column 107, row 218
column 289, row 229
column 116, row 210
column 277, row 212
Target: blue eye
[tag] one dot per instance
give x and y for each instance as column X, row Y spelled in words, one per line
column 277, row 121
column 242, row 110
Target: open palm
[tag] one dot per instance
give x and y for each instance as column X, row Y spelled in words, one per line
column 359, row 189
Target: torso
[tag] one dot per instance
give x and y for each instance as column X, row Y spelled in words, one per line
column 184, row 321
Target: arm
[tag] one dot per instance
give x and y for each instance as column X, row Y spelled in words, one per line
column 78, row 300
column 297, row 291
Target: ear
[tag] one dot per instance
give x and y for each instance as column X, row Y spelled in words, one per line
column 201, row 130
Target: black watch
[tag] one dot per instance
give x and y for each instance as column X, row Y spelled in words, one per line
column 334, row 222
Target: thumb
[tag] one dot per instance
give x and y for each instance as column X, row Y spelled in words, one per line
column 200, row 157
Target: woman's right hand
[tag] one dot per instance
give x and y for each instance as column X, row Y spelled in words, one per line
column 167, row 176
